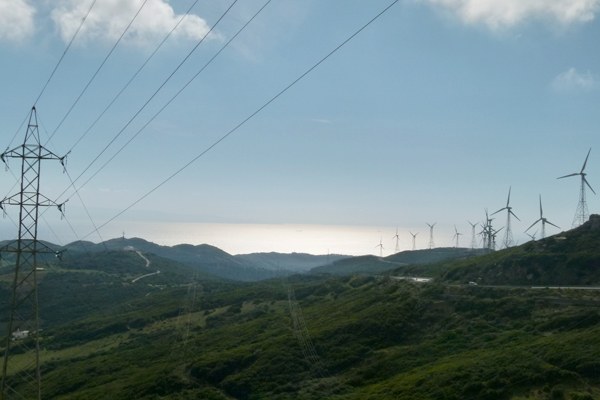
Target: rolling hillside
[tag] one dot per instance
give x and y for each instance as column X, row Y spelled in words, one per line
column 372, row 265
column 569, row 258
column 178, row 335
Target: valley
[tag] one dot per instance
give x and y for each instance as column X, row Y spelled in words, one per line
column 186, row 334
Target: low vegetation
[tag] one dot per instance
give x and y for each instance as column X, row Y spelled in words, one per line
column 177, row 336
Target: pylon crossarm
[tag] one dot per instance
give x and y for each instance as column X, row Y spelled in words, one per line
column 31, row 151
column 30, row 199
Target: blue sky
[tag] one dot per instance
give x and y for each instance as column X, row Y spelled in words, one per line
column 428, row 115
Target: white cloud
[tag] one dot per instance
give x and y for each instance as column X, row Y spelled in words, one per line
column 109, row 18
column 573, row 81
column 502, row 14
column 16, row 20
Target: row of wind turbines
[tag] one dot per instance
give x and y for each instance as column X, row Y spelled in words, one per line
column 489, row 234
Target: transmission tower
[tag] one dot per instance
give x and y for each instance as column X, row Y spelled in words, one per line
column 23, row 381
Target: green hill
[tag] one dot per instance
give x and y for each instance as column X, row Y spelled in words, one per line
column 204, row 258
column 372, row 265
column 176, row 335
column 336, row 338
column 570, row 258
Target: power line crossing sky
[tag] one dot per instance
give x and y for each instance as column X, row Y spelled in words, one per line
column 429, row 114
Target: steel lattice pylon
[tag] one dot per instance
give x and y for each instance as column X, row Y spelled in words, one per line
column 23, row 380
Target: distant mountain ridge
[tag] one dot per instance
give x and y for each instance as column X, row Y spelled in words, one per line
column 297, row 262
column 374, row 265
column 214, row 261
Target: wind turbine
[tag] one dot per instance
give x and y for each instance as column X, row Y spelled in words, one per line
column 397, row 237
column 532, row 237
column 456, row 236
column 473, row 242
column 493, row 235
column 487, row 232
column 581, row 214
column 543, row 220
column 431, row 242
column 380, row 245
column 414, row 240
column 508, row 238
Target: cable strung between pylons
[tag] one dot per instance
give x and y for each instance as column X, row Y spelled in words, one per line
column 149, row 99
column 98, row 70
column 134, row 75
column 244, row 121
column 55, row 69
column 182, row 62
column 169, row 101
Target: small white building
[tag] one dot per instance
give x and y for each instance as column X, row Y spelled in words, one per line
column 19, row 335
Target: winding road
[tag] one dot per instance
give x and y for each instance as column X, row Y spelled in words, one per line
column 139, row 253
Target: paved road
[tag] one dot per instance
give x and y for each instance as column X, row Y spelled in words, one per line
column 139, row 253
column 428, row 280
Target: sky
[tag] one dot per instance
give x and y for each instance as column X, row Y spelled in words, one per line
column 428, row 114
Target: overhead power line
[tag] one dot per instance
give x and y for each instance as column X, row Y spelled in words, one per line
column 149, row 99
column 85, row 88
column 139, row 70
column 249, row 117
column 140, row 130
column 55, row 69
column 65, row 52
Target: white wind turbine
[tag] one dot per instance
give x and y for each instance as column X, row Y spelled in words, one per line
column 508, row 238
column 397, row 237
column 581, row 214
column 380, row 245
column 456, row 236
column 543, row 220
column 414, row 240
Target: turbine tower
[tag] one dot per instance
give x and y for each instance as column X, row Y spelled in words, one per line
column 397, row 237
column 414, row 240
column 380, row 245
column 473, row 240
column 581, row 214
column 543, row 220
column 508, row 238
column 431, row 242
column 487, row 232
column 22, row 346
column 456, row 236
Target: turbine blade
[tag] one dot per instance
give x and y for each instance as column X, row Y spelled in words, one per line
column 586, row 158
column 556, row 226
column 508, row 199
column 541, row 211
column 514, row 215
column 502, row 209
column 588, row 185
column 566, row 176
column 532, row 225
